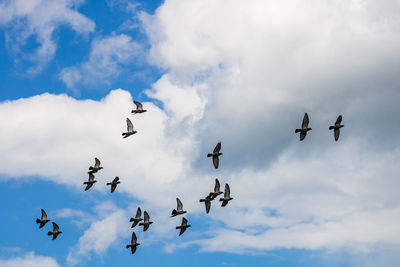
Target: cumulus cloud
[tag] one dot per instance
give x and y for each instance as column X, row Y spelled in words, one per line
column 242, row 73
column 39, row 19
column 29, row 259
column 107, row 58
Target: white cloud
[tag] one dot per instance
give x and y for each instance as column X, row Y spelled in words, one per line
column 243, row 73
column 39, row 18
column 107, row 58
column 31, row 260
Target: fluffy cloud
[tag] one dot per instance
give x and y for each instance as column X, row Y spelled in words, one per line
column 107, row 58
column 30, row 259
column 243, row 73
column 39, row 18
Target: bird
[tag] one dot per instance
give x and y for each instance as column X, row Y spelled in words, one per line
column 139, row 108
column 179, row 208
column 227, row 196
column 146, row 223
column 130, row 130
column 96, row 167
column 207, row 202
column 90, row 181
column 137, row 219
column 217, row 190
column 336, row 127
column 43, row 220
column 133, row 243
column 304, row 128
column 55, row 232
column 215, row 155
column 183, row 226
column 114, row 183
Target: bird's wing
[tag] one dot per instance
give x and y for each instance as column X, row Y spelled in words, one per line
column 134, row 239
column 91, row 177
column 217, row 148
column 97, row 163
column 138, row 213
column 224, row 203
column 305, row 121
column 337, row 133
column 44, row 215
column 208, row 206
column 338, row 120
column 139, row 105
column 129, row 125
column 217, row 186
column 227, row 191
column 179, row 205
column 184, row 221
column 146, row 217
column 88, row 186
column 303, row 135
column 145, row 227
column 55, row 227
column 216, row 162
column 116, row 179
column 133, row 249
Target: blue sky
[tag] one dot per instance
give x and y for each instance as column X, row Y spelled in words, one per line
column 243, row 73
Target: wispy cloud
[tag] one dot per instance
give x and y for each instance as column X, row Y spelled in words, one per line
column 29, row 259
column 39, row 19
column 107, row 59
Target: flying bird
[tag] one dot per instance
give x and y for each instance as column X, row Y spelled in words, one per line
column 207, row 202
column 215, row 155
column 137, row 218
column 96, row 167
column 43, row 220
column 90, row 181
column 139, row 108
column 227, row 196
column 336, row 127
column 179, row 208
column 130, row 130
column 183, row 226
column 114, row 184
column 217, row 190
column 133, row 243
column 146, row 223
column 304, row 127
column 55, row 232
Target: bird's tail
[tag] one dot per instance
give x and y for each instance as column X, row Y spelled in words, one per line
column 49, row 233
column 331, row 127
column 221, row 199
column 209, row 155
column 178, row 227
column 128, row 246
column 132, row 220
column 108, row 184
column 140, row 224
column 90, row 168
column 37, row 221
column 174, row 212
column 202, row 200
column 133, row 111
column 297, row 130
column 85, row 182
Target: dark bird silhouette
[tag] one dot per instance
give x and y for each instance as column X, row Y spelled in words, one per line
column 304, row 128
column 43, row 219
column 133, row 243
column 137, row 219
column 207, row 202
column 130, row 130
column 179, row 208
column 215, row 155
column 114, row 184
column 146, row 223
column 55, row 232
column 139, row 108
column 227, row 196
column 96, row 167
column 217, row 190
column 90, row 181
column 183, row 226
column 336, row 127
